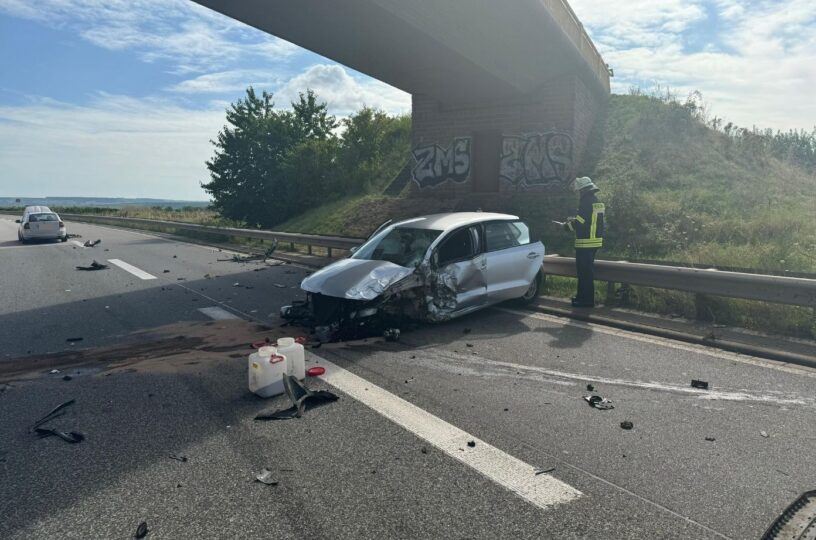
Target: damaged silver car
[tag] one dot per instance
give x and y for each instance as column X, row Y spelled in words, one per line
column 430, row 268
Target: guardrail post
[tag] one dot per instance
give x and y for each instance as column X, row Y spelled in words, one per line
column 309, row 248
column 329, row 251
column 610, row 292
column 701, row 307
column 291, row 246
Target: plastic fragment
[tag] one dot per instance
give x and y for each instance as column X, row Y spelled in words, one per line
column 301, row 397
column 626, row 424
column 599, row 402
column 93, row 266
column 265, row 477
column 544, row 471
column 183, row 459
column 472, row 444
column 141, row 530
column 703, row 385
column 764, row 434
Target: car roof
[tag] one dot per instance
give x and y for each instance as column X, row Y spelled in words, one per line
column 452, row 220
column 37, row 210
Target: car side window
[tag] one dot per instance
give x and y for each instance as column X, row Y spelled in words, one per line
column 500, row 235
column 457, row 247
column 521, row 232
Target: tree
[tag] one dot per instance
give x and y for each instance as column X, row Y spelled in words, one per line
column 246, row 181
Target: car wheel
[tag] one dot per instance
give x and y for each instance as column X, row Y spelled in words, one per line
column 532, row 292
column 63, row 238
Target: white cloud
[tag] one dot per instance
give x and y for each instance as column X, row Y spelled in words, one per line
column 116, row 146
column 180, row 31
column 343, row 93
column 759, row 67
column 232, row 81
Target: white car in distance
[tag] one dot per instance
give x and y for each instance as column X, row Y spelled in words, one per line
column 40, row 223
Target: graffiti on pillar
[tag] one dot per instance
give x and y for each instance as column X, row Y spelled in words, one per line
column 435, row 164
column 536, row 160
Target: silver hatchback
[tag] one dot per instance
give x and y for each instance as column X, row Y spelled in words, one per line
column 432, row 268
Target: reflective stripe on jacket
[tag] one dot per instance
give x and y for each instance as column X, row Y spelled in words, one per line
column 589, row 223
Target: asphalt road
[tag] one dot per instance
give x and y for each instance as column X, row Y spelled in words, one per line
column 512, row 380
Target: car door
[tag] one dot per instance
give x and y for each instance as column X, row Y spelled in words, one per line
column 512, row 261
column 460, row 271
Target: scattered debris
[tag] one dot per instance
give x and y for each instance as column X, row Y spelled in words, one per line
column 67, row 378
column 53, row 414
column 74, row 236
column 73, row 340
column 279, row 285
column 165, row 271
column 590, row 388
column 70, row 437
column 90, row 243
column 141, row 530
column 599, row 402
column 468, row 344
column 315, row 371
column 764, row 434
column 183, row 459
column 626, row 424
column 175, row 256
column 710, row 439
column 265, row 477
column 207, row 276
column 180, row 279
column 301, row 397
column 472, row 444
column 391, row 334
column 93, row 266
column 236, row 284
column 466, row 331
column 544, row 471
column 703, row 385
column 54, row 371
column 424, row 450
column 409, row 380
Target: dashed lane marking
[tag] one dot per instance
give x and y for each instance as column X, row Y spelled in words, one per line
column 542, row 490
column 218, row 314
column 141, row 274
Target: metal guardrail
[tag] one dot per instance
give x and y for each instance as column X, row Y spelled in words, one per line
column 761, row 287
column 309, row 240
column 765, row 288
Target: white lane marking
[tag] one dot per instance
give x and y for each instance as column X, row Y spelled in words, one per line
column 543, row 490
column 780, row 398
column 141, row 274
column 666, row 342
column 78, row 243
column 218, row 313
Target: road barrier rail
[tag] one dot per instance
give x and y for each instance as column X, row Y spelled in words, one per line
column 796, row 291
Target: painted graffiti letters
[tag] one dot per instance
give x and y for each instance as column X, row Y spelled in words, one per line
column 435, row 164
column 536, row 160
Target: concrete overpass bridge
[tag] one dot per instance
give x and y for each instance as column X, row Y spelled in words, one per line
column 504, row 93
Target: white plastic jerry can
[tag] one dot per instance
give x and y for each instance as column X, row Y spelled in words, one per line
column 295, row 356
column 266, row 371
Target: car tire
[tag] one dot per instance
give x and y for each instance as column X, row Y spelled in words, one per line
column 63, row 238
column 532, row 293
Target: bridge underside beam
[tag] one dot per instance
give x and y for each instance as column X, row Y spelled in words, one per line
column 454, row 51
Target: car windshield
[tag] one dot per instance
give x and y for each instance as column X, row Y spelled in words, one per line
column 402, row 246
column 42, row 217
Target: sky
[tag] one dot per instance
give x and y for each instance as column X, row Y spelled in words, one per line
column 121, row 98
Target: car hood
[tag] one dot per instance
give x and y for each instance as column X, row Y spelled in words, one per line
column 355, row 279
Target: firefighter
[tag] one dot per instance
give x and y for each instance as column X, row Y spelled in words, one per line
column 588, row 227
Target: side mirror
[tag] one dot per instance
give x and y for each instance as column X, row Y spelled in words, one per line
column 17, row 221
